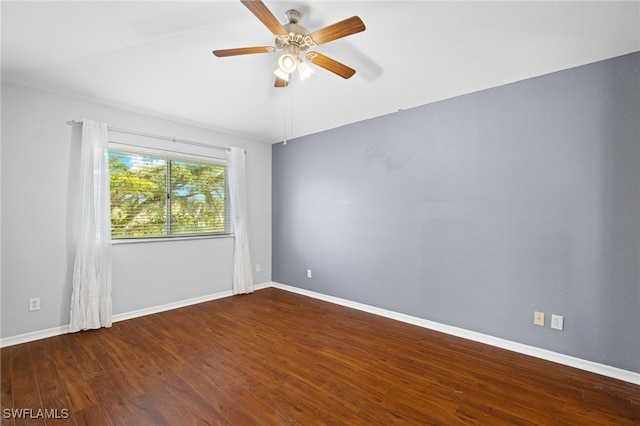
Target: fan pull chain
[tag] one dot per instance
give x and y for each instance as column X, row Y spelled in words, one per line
column 292, row 112
column 285, row 129
column 291, row 109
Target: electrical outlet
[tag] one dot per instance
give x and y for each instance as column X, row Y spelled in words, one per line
column 258, row 267
column 557, row 322
column 34, row 304
column 538, row 318
column 308, row 273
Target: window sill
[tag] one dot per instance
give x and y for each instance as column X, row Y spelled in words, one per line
column 165, row 239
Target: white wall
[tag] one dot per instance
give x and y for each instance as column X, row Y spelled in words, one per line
column 40, row 155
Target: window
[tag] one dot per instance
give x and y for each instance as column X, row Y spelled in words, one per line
column 165, row 196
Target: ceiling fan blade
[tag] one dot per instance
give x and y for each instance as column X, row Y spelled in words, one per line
column 281, row 82
column 330, row 64
column 338, row 30
column 265, row 16
column 243, row 51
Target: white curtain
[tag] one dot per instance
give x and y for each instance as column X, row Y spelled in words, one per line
column 237, row 182
column 91, row 297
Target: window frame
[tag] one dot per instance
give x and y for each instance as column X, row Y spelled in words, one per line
column 170, row 156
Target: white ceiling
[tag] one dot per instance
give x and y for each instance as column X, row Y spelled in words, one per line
column 155, row 56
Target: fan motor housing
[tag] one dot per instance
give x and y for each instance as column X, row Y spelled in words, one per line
column 293, row 16
column 296, row 34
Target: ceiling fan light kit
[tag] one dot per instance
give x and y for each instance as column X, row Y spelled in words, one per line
column 304, row 70
column 282, row 75
column 294, row 41
column 287, row 63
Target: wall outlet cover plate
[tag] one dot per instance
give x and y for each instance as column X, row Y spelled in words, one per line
column 557, row 322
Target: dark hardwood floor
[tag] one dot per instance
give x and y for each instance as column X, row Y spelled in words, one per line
column 278, row 358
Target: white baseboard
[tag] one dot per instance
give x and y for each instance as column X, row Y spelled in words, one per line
column 170, row 306
column 63, row 329
column 32, row 336
column 56, row 331
column 593, row 367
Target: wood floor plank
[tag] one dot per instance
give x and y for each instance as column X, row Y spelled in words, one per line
column 92, row 416
column 78, row 390
column 119, row 410
column 6, row 393
column 278, row 358
column 53, row 396
column 26, row 395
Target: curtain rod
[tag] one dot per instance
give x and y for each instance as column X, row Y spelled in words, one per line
column 149, row 135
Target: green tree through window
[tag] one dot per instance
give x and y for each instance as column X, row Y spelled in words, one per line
column 155, row 196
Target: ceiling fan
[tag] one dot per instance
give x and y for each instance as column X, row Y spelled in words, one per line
column 295, row 41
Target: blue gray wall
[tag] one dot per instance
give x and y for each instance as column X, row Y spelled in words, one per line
column 478, row 210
